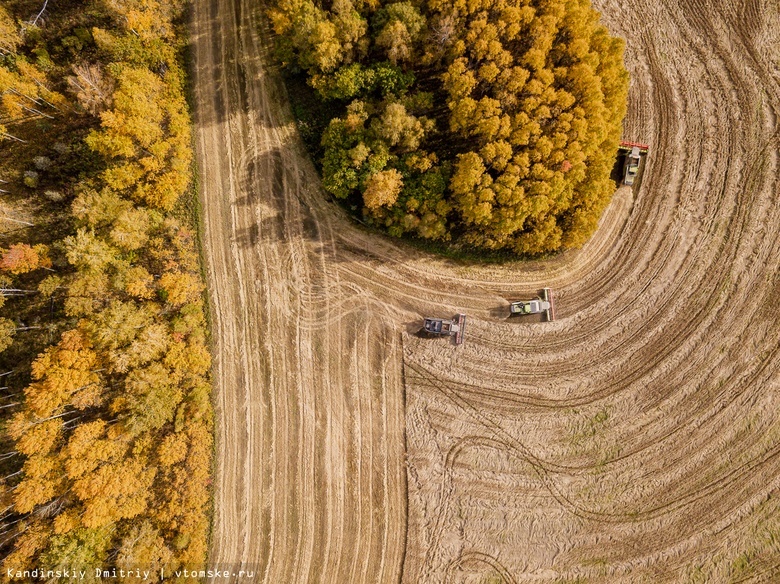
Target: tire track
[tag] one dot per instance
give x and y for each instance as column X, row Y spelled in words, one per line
column 668, row 321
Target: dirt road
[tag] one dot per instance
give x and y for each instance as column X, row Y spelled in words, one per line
column 635, row 439
column 310, row 483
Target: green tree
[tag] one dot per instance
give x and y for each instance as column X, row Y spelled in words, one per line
column 535, row 94
column 399, row 26
column 145, row 546
column 83, row 549
column 86, row 251
column 153, row 395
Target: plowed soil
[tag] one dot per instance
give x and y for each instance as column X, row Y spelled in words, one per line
column 635, row 439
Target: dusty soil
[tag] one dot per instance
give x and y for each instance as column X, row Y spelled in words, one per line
column 634, row 439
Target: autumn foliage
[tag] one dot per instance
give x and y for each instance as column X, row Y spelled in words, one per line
column 21, row 258
column 492, row 122
column 114, row 430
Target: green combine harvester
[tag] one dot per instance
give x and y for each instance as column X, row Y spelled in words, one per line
column 634, row 152
column 544, row 305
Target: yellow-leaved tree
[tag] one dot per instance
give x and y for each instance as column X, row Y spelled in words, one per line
column 516, row 105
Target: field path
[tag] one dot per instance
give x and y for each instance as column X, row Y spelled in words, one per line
column 309, row 478
column 635, row 437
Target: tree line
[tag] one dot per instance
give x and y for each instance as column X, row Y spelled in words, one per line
column 104, row 385
column 493, row 122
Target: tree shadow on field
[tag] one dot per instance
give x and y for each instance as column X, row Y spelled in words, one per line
column 269, row 188
column 226, row 74
column 255, row 176
column 248, row 237
column 617, row 168
column 261, row 183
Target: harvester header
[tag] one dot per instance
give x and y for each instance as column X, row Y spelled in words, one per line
column 627, row 146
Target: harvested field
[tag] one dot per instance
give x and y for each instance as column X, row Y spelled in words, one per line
column 634, row 439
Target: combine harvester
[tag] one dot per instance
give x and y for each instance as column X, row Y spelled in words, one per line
column 545, row 304
column 447, row 328
column 634, row 152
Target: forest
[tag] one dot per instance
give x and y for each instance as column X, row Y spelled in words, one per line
column 491, row 124
column 105, row 413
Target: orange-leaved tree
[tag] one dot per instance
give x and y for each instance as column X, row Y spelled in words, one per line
column 21, row 258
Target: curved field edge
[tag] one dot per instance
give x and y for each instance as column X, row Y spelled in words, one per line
column 498, row 134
